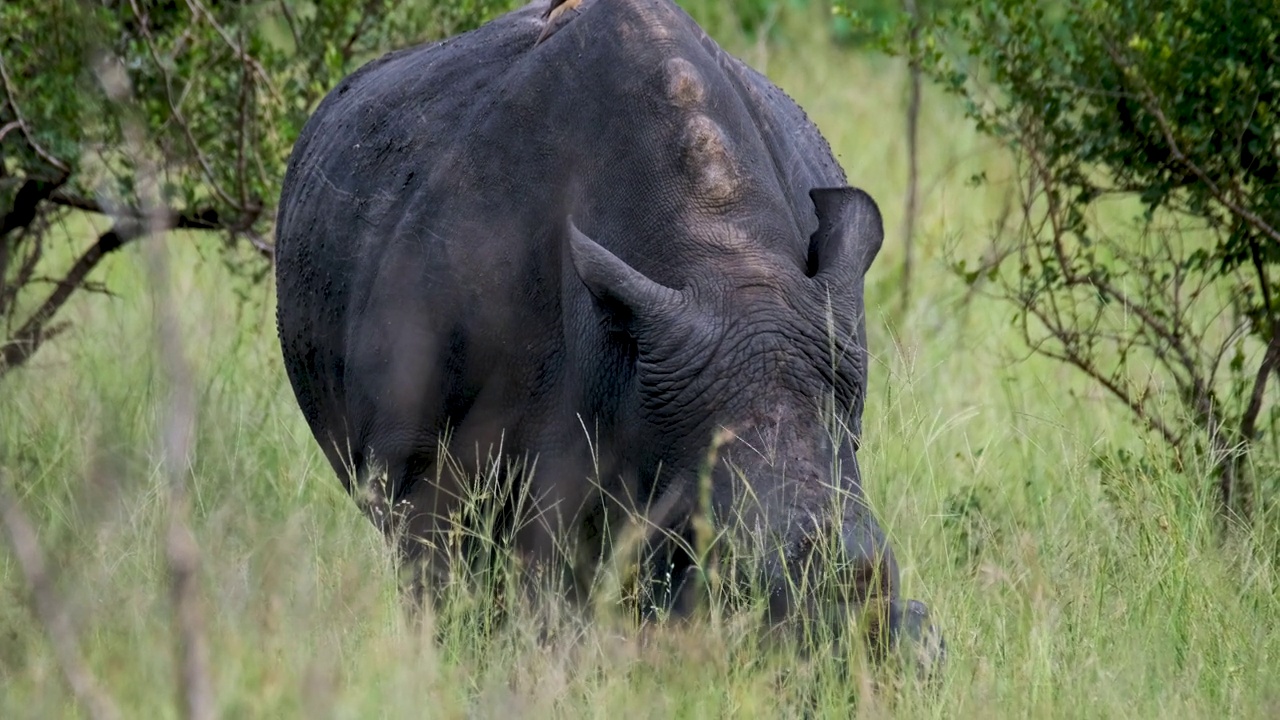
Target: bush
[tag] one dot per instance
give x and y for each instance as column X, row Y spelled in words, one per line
column 1144, row 247
column 222, row 90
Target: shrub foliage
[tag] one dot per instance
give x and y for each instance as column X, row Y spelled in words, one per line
column 223, row 89
column 1145, row 234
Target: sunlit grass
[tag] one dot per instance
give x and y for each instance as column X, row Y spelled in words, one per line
column 1067, row 586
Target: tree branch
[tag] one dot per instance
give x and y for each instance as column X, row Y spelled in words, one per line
column 1071, row 357
column 130, row 224
column 206, row 218
column 1072, row 278
column 292, row 22
column 348, row 48
column 246, row 117
column 27, row 201
column 8, row 128
column 24, row 343
column 1152, row 104
column 12, row 99
column 1270, row 363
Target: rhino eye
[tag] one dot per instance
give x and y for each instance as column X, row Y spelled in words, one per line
column 626, row 339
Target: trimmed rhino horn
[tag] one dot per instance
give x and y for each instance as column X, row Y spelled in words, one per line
column 616, row 283
column 850, row 231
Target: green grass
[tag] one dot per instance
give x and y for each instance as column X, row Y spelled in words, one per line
column 1068, row 586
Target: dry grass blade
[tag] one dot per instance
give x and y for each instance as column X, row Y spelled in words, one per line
column 178, row 429
column 184, row 556
column 51, row 611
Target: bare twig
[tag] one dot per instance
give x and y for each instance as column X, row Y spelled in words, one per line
column 1059, row 231
column 913, row 137
column 292, row 22
column 1067, row 330
column 1095, row 303
column 246, row 113
column 32, row 250
column 1167, row 340
column 1070, row 356
column 260, row 244
column 130, row 224
column 177, row 439
column 8, row 128
column 195, row 219
column 50, row 610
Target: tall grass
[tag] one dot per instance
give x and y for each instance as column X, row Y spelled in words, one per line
column 1069, row 584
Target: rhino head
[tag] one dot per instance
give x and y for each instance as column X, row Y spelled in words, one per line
column 772, row 356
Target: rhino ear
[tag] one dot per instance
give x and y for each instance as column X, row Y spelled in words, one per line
column 850, row 232
column 616, row 284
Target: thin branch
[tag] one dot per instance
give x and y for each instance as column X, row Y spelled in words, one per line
column 175, row 113
column 1071, row 357
column 198, row 10
column 242, row 136
column 50, row 610
column 88, row 286
column 1264, row 283
column 32, row 247
column 8, row 128
column 33, row 333
column 260, row 244
column 1061, row 326
column 130, row 224
column 199, row 219
column 1270, row 363
column 1152, row 104
column 292, row 22
column 1072, row 278
column 348, row 48
column 12, row 98
column 913, row 155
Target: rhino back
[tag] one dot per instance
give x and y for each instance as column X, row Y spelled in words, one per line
column 424, row 209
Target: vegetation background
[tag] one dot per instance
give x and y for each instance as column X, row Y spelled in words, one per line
column 1079, row 568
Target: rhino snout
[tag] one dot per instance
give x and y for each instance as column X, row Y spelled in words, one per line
column 917, row 640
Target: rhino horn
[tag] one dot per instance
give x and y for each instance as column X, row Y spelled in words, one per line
column 615, row 283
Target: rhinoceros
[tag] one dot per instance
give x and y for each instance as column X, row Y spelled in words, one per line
column 585, row 236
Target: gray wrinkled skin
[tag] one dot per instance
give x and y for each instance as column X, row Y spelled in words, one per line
column 595, row 250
